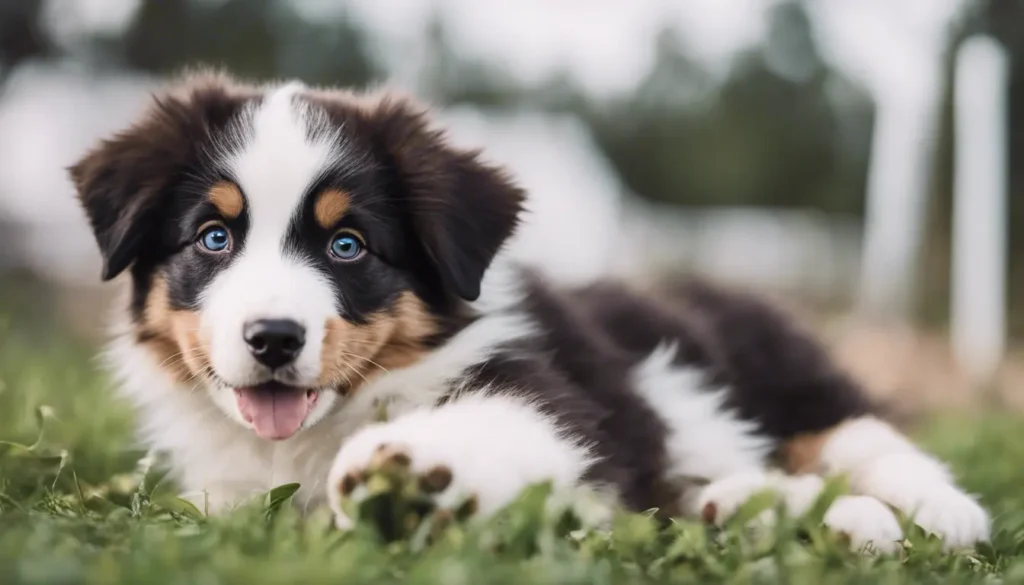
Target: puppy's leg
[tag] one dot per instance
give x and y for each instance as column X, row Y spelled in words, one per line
column 881, row 463
column 822, row 421
column 482, row 448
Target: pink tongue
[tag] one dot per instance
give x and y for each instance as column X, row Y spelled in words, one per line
column 275, row 415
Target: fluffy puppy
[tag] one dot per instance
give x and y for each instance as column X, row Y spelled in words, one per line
column 301, row 259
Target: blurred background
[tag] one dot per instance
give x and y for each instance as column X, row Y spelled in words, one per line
column 855, row 159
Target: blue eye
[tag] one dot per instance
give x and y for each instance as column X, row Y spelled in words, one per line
column 215, row 239
column 345, row 246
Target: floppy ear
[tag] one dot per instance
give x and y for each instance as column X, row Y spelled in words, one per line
column 122, row 182
column 463, row 209
column 119, row 184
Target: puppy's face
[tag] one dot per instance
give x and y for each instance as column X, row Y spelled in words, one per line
column 285, row 245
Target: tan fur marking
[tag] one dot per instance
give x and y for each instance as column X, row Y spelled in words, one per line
column 173, row 336
column 227, row 198
column 802, row 454
column 330, row 207
column 353, row 354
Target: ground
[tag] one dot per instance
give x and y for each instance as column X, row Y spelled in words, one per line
column 77, row 504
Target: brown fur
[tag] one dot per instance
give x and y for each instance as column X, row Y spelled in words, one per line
column 393, row 338
column 330, row 207
column 802, row 454
column 173, row 335
column 227, row 198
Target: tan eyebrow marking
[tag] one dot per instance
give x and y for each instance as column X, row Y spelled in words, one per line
column 227, row 198
column 330, row 207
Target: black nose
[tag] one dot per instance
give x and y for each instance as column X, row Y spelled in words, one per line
column 274, row 342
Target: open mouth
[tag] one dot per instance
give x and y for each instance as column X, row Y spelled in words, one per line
column 275, row 411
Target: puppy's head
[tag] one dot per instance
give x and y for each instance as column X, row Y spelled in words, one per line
column 286, row 244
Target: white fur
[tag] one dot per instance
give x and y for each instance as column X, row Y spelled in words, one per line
column 883, row 464
column 221, row 463
column 495, row 446
column 705, row 440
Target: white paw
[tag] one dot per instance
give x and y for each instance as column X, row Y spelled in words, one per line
column 952, row 515
column 867, row 522
column 929, row 499
column 719, row 500
column 374, row 451
column 490, row 448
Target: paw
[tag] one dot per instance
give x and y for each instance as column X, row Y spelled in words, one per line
column 928, row 498
column 395, row 491
column 866, row 522
column 952, row 515
column 719, row 501
column 869, row 524
column 473, row 456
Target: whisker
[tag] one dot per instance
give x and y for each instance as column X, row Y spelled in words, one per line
column 366, row 359
column 197, row 385
column 360, row 374
column 179, row 355
column 203, row 375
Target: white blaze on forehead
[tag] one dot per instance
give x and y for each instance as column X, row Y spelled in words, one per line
column 279, row 164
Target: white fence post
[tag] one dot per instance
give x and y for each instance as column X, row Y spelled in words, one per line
column 897, row 194
column 978, row 287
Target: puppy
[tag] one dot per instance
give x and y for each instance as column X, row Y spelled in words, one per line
column 302, row 259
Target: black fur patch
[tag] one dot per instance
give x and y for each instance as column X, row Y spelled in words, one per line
column 591, row 338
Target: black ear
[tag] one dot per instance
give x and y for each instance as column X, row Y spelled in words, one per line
column 123, row 182
column 119, row 184
column 462, row 208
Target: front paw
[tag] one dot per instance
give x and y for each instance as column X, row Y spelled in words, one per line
column 396, row 489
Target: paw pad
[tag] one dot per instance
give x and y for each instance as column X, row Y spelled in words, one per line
column 468, row 508
column 436, row 479
column 388, row 457
column 709, row 513
column 349, row 482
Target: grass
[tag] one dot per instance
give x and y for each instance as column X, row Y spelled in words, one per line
column 77, row 505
